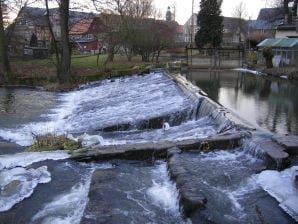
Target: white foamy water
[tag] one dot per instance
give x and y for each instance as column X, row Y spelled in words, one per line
column 69, row 207
column 163, row 192
column 201, row 128
column 281, row 186
column 19, row 183
column 110, row 103
column 249, row 71
column 27, row 158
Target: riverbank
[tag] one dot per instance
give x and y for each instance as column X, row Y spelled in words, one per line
column 42, row 72
column 289, row 73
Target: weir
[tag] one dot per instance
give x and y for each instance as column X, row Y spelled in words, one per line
column 211, row 155
column 232, row 132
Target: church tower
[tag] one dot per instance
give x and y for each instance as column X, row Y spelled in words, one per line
column 169, row 14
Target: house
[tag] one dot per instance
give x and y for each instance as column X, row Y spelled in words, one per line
column 267, row 21
column 190, row 29
column 180, row 35
column 285, row 50
column 289, row 28
column 31, row 22
column 84, row 37
column 286, row 31
column 234, row 30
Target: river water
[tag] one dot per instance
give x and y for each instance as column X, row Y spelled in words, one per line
column 47, row 187
column 270, row 103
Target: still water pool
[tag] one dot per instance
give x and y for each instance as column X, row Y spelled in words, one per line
column 268, row 102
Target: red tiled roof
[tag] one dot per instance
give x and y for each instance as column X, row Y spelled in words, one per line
column 81, row 27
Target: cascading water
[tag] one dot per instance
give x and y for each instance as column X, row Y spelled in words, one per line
column 126, row 103
column 228, row 180
column 48, row 188
column 56, row 190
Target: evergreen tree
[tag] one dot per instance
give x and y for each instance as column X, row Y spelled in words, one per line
column 210, row 24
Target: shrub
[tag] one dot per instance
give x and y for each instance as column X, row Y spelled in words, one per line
column 51, row 142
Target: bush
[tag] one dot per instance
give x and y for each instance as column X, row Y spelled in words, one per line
column 52, row 142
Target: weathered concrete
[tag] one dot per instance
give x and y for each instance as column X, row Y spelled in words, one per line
column 155, row 150
column 231, row 131
column 191, row 198
column 103, row 199
column 290, row 143
column 225, row 118
column 273, row 154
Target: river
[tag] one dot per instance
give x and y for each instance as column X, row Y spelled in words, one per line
column 271, row 103
column 47, row 187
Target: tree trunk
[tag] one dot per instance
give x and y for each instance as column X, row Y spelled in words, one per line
column 4, row 62
column 64, row 66
column 54, row 41
column 111, row 54
column 157, row 57
column 269, row 63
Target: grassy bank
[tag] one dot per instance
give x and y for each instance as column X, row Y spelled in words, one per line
column 42, row 72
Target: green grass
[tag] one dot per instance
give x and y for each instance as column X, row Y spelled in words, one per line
column 42, row 72
column 120, row 62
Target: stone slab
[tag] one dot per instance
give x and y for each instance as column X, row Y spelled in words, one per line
column 290, row 143
column 191, row 199
column 276, row 156
column 154, row 150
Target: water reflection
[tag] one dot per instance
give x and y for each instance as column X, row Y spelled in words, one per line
column 270, row 103
column 6, row 101
column 19, row 105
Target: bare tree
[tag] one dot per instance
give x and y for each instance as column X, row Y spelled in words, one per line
column 174, row 7
column 122, row 23
column 240, row 13
column 4, row 62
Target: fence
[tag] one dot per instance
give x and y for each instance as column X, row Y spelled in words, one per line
column 212, row 58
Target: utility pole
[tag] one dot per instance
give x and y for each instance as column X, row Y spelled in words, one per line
column 192, row 24
column 191, row 32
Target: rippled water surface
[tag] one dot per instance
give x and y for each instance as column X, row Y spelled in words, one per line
column 269, row 103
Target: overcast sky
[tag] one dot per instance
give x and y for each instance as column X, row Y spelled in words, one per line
column 183, row 7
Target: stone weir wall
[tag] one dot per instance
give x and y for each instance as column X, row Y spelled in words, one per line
column 232, row 132
column 274, row 150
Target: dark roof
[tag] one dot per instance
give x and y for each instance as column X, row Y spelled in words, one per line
column 268, row 19
column 264, row 24
column 37, row 15
column 75, row 16
column 270, row 14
